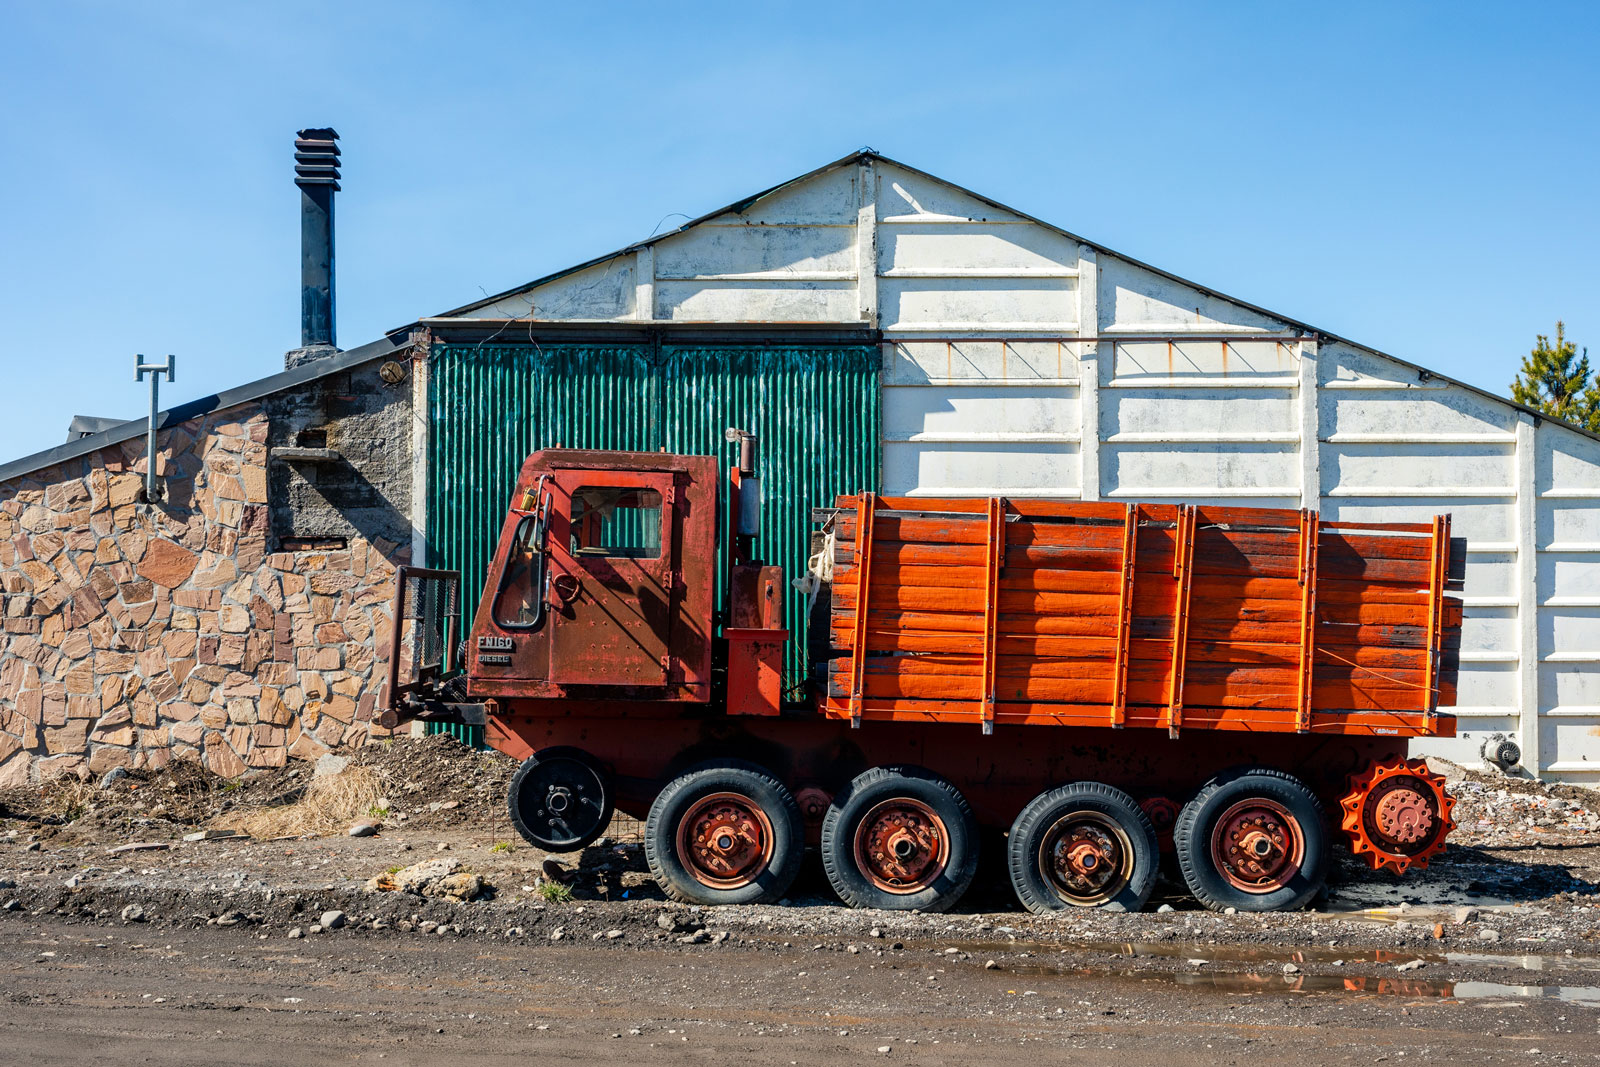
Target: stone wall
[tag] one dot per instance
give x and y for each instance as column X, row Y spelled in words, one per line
column 135, row 635
column 364, row 489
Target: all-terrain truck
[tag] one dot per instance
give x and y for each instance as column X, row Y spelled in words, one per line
column 1100, row 681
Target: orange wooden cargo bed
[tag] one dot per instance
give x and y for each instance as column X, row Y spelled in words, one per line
column 1141, row 615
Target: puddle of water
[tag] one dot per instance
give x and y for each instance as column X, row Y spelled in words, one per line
column 1250, row 982
column 1397, row 987
column 1248, row 954
column 1271, row 980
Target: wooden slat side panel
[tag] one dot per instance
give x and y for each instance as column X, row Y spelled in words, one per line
column 1039, row 609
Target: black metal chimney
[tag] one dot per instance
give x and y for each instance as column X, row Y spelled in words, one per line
column 316, row 172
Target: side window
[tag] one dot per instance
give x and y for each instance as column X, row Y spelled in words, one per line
column 519, row 602
column 616, row 523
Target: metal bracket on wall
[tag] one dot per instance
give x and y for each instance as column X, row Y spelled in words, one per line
column 297, row 454
column 155, row 370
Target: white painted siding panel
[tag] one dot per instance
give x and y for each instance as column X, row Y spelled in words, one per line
column 1353, row 469
column 907, row 198
column 1476, row 520
column 973, row 248
column 1490, row 575
column 1168, row 470
column 973, row 303
column 766, row 301
column 603, row 291
column 1412, row 410
column 980, row 411
column 739, row 249
column 1133, row 298
column 973, row 469
column 826, row 198
column 1135, row 412
column 1569, row 523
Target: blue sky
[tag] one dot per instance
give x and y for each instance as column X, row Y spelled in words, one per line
column 1418, row 177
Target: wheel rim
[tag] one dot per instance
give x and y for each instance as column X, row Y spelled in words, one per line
column 1086, row 857
column 563, row 800
column 725, row 840
column 902, row 845
column 1257, row 845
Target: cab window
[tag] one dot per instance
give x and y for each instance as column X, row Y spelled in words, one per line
column 620, row 523
column 519, row 602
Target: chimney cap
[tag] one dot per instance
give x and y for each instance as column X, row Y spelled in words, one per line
column 316, row 156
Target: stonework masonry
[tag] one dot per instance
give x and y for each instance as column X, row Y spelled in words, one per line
column 136, row 634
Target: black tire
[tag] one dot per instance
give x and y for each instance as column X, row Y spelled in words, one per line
column 560, row 799
column 757, row 874
column 1103, row 816
column 1294, row 885
column 945, row 876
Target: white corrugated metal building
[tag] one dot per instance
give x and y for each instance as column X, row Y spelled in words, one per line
column 1021, row 360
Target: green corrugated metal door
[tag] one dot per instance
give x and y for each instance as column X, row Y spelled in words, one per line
column 817, row 415
column 816, row 410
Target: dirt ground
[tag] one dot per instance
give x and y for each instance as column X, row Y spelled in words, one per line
column 154, row 953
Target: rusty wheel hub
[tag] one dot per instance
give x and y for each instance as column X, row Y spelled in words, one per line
column 1403, row 816
column 1087, row 858
column 1258, row 845
column 902, row 845
column 725, row 840
column 1397, row 814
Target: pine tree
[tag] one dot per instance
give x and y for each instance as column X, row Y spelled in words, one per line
column 1556, row 380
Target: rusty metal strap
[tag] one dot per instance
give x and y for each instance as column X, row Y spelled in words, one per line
column 866, row 506
column 1438, row 565
column 1310, row 534
column 1183, row 573
column 993, row 565
column 1119, row 679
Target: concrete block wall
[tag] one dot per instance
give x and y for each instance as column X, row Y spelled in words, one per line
column 136, row 635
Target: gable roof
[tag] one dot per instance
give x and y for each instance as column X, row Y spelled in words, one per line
column 855, row 158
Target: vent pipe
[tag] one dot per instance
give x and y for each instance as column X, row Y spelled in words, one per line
column 316, row 172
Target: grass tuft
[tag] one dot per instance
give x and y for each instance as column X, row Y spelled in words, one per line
column 328, row 806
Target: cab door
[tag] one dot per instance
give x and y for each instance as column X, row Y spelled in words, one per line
column 611, row 577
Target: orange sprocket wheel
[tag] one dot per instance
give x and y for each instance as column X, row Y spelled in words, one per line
column 1397, row 814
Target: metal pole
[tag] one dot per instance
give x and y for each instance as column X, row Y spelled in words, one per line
column 155, row 370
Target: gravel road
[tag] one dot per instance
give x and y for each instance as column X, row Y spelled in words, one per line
column 86, row 994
